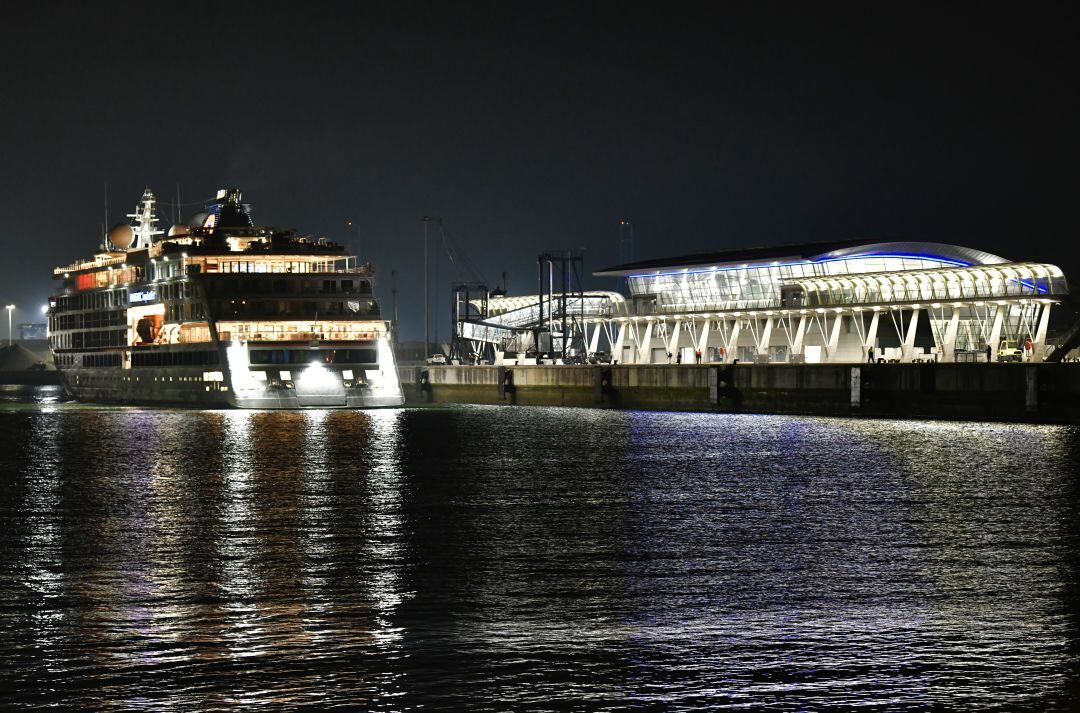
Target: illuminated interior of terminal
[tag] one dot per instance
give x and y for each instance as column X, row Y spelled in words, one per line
column 820, row 303
column 851, row 303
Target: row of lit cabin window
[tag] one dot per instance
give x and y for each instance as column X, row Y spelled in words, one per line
column 141, row 359
column 261, row 285
column 293, row 308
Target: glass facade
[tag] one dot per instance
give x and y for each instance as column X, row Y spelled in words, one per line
column 987, row 282
column 836, row 282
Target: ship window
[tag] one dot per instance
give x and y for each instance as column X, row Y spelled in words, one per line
column 358, row 356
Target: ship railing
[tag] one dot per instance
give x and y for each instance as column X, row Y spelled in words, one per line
column 89, row 264
column 301, row 337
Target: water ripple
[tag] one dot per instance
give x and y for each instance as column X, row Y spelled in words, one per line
column 541, row 559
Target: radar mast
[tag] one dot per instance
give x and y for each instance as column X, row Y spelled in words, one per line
column 145, row 220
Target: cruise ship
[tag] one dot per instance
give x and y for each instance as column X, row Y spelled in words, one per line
column 220, row 312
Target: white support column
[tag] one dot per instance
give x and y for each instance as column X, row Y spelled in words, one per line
column 594, row 343
column 948, row 349
column 693, row 331
column 800, row 335
column 733, row 348
column 766, row 336
column 703, row 339
column 871, row 332
column 725, row 337
column 909, row 338
column 995, row 330
column 620, row 342
column 834, row 337
column 857, row 322
column 1039, row 342
column 673, row 344
column 644, row 352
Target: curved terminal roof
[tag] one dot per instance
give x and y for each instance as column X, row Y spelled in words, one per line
column 958, row 254
column 810, row 252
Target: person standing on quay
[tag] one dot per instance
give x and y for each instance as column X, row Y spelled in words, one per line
column 870, row 355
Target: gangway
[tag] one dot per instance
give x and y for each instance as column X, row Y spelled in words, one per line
column 552, row 323
column 525, row 311
column 512, row 322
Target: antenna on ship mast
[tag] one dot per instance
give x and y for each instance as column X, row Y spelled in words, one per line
column 105, row 225
column 145, row 220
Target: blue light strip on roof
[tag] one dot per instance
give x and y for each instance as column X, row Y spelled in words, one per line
column 910, row 256
column 749, row 266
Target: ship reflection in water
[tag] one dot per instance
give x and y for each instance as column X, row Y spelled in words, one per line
column 512, row 558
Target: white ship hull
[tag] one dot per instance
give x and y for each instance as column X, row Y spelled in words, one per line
column 239, row 386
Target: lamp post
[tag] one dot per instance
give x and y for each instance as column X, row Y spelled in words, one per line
column 10, row 309
column 426, row 219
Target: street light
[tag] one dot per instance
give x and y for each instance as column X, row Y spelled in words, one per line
column 10, row 309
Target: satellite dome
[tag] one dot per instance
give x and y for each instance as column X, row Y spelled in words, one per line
column 198, row 220
column 178, row 230
column 122, row 236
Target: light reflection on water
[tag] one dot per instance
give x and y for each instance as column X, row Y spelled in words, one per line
column 504, row 558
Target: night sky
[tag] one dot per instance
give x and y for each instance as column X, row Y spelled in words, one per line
column 537, row 127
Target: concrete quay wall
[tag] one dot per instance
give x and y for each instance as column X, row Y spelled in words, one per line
column 1044, row 393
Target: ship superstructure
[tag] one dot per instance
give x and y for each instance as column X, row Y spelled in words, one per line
column 221, row 312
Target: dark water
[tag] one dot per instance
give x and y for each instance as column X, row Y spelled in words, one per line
column 506, row 558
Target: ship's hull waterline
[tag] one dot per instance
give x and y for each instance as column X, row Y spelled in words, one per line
column 186, row 387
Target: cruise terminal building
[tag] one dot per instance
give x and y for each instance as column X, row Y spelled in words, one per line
column 829, row 303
